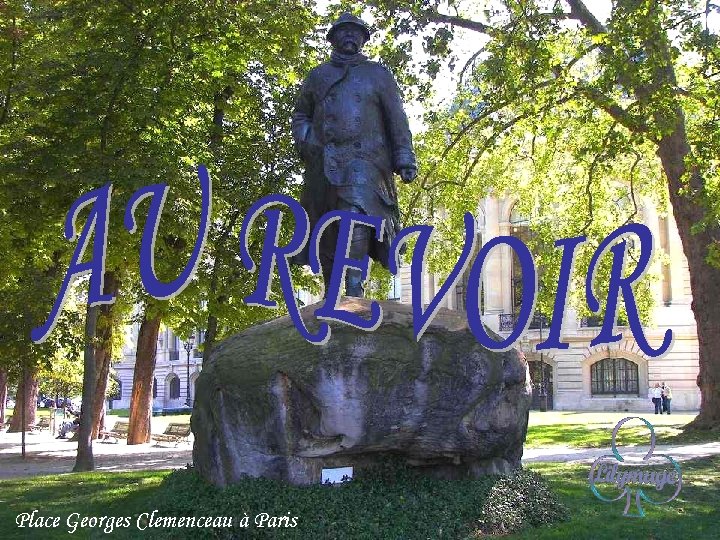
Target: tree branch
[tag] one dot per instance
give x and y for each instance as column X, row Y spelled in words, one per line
column 467, row 65
column 580, row 12
column 611, row 107
column 12, row 73
column 461, row 22
column 497, row 132
column 638, row 158
column 591, row 171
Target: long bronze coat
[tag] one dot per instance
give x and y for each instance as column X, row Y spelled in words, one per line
column 352, row 133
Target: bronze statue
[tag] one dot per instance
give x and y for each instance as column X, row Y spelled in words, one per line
column 352, row 133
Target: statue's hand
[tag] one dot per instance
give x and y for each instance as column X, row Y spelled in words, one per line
column 408, row 174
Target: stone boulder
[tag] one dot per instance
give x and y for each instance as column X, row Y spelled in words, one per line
column 270, row 404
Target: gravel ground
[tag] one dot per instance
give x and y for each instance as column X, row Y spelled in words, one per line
column 47, row 455
column 568, row 454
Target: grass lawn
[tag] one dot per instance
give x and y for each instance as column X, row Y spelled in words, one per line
column 694, row 514
column 120, row 413
column 91, row 494
column 594, row 429
column 402, row 507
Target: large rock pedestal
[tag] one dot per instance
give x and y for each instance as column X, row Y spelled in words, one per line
column 270, row 404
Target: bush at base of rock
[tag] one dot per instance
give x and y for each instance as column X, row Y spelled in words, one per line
column 518, row 501
column 390, row 502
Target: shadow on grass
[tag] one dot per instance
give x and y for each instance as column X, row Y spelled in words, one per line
column 89, row 494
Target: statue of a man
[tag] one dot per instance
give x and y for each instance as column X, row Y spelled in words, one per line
column 352, row 133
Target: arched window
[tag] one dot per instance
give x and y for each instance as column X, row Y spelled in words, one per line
column 614, row 376
column 174, row 384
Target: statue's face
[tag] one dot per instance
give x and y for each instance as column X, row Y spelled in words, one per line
column 348, row 38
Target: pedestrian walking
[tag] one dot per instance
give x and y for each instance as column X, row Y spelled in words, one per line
column 666, row 397
column 657, row 398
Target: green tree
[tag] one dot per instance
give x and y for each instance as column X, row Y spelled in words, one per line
column 136, row 94
column 645, row 81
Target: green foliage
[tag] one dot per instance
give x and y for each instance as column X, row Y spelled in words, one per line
column 136, row 94
column 565, row 114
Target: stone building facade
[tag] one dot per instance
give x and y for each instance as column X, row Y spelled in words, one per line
column 613, row 377
column 172, row 365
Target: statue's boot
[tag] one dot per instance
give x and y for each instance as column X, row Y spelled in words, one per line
column 354, row 283
column 359, row 247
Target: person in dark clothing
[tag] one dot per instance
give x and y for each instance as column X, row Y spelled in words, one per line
column 666, row 397
column 69, row 427
column 657, row 398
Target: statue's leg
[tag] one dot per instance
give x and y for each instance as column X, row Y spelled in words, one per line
column 326, row 263
column 359, row 248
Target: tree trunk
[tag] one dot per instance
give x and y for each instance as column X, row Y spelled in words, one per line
column 102, row 371
column 217, row 136
column 687, row 190
column 30, row 384
column 3, row 395
column 210, row 336
column 142, row 390
column 704, row 278
column 103, row 353
column 84, row 460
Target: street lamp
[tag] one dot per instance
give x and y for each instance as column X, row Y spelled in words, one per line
column 543, row 387
column 188, row 346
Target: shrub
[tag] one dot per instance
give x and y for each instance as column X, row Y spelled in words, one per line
column 519, row 501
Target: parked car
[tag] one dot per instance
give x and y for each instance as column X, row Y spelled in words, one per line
column 45, row 402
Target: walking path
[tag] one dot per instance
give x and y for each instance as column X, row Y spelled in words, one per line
column 567, row 454
column 46, row 455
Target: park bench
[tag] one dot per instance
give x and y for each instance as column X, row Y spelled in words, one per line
column 176, row 433
column 43, row 423
column 118, row 431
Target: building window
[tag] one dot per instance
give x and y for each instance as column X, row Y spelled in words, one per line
column 174, row 390
column 614, row 376
column 395, row 291
column 154, row 388
column 520, row 229
column 117, row 394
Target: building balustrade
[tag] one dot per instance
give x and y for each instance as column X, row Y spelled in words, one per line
column 508, row 321
column 596, row 321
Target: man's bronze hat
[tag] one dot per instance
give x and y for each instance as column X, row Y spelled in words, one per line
column 349, row 18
